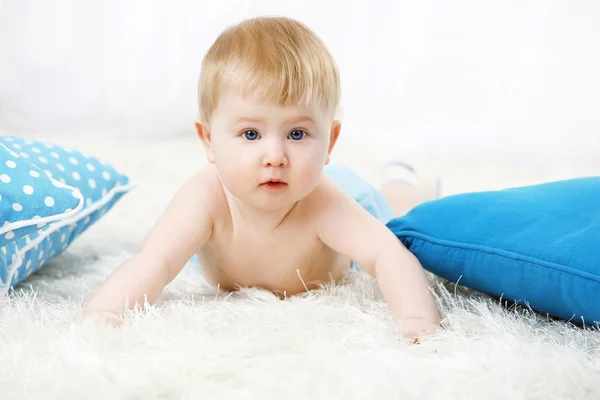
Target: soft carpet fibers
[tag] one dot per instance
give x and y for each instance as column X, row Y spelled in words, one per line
column 334, row 343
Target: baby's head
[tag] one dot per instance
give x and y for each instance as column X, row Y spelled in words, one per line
column 269, row 93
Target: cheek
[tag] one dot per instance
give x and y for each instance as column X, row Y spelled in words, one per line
column 235, row 183
column 233, row 167
column 317, row 154
column 309, row 167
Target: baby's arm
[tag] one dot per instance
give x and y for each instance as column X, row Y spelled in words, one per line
column 184, row 227
column 349, row 229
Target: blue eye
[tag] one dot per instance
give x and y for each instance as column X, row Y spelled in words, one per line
column 297, row 134
column 251, row 135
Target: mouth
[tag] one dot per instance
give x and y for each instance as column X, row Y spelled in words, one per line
column 274, row 184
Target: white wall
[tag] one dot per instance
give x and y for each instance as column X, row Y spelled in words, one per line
column 515, row 80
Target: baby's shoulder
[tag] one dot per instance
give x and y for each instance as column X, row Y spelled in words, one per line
column 206, row 178
column 202, row 182
column 325, row 195
column 204, row 188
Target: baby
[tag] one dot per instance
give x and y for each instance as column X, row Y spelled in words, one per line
column 268, row 211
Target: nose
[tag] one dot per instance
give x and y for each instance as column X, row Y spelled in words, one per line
column 275, row 155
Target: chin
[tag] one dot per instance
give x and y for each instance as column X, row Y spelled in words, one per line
column 274, row 204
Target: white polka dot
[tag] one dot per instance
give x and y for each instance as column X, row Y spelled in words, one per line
column 63, row 238
column 9, row 139
column 35, row 150
column 4, row 178
column 88, row 201
column 28, row 142
column 35, row 174
column 73, row 160
column 11, row 164
column 90, row 167
column 48, row 173
column 17, row 207
column 55, row 155
column 106, row 175
column 60, row 166
column 27, row 189
column 24, row 155
column 28, row 265
column 92, row 183
column 16, row 145
column 43, row 160
column 48, row 146
column 76, row 176
column 41, row 254
column 10, row 235
column 49, row 201
column 62, row 180
column 87, row 220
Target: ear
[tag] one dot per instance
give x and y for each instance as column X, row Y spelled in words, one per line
column 336, row 126
column 204, row 135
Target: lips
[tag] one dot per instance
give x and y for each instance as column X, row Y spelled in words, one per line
column 274, row 184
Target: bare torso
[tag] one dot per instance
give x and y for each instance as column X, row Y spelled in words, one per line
column 239, row 254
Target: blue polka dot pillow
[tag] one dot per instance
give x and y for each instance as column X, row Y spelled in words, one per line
column 29, row 198
column 49, row 195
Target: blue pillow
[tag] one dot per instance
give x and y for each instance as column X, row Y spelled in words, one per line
column 537, row 245
column 28, row 197
column 98, row 185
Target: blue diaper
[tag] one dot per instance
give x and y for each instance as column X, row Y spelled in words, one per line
column 360, row 190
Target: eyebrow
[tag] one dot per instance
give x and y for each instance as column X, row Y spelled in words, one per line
column 296, row 119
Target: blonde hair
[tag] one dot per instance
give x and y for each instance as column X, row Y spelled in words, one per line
column 277, row 59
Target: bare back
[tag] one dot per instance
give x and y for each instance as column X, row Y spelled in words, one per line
column 239, row 254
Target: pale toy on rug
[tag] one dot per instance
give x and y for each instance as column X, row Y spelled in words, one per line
column 334, row 343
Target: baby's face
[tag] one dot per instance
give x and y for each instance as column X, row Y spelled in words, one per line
column 267, row 155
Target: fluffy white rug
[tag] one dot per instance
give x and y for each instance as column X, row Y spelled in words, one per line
column 335, row 343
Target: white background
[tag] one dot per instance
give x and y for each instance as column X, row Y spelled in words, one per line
column 509, row 80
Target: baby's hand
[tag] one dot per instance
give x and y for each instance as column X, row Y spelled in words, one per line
column 417, row 329
column 110, row 319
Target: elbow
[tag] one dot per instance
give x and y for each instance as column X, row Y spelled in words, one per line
column 393, row 257
column 153, row 266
